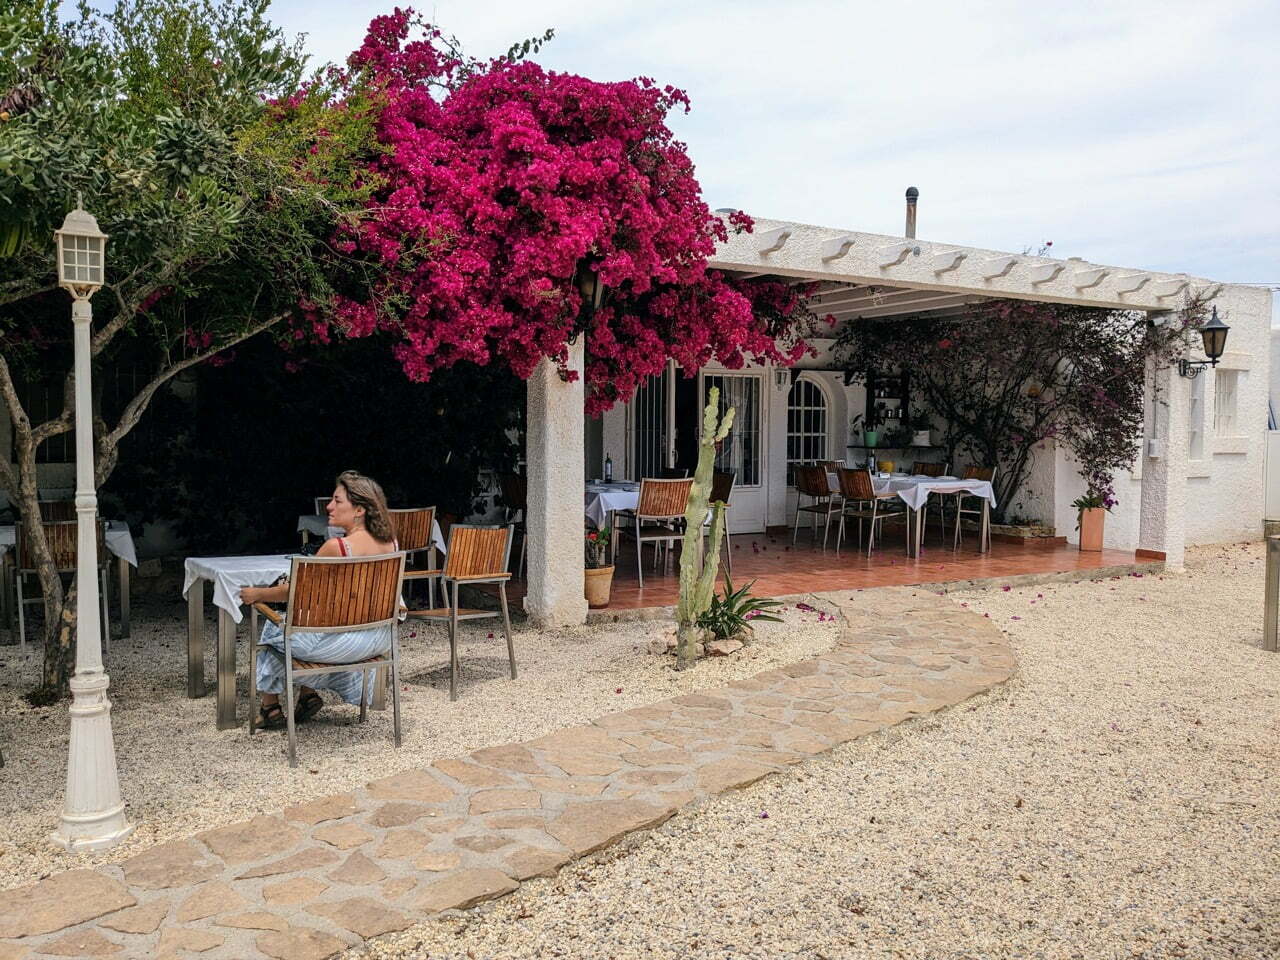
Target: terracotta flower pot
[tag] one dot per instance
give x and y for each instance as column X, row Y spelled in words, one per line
column 598, row 581
column 1091, row 522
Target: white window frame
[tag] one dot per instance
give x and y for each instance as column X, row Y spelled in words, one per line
column 1195, row 420
column 1226, row 389
column 825, row 434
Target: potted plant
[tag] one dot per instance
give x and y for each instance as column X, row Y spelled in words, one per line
column 870, row 435
column 1092, row 509
column 599, row 572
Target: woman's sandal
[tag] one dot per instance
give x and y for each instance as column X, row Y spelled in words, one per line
column 308, row 706
column 271, row 717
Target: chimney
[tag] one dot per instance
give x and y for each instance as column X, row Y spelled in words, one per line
column 912, row 196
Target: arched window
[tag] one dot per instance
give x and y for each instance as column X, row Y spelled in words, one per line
column 806, row 425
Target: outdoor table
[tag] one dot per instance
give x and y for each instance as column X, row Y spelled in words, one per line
column 318, row 524
column 119, row 540
column 914, row 490
column 605, row 499
column 228, row 575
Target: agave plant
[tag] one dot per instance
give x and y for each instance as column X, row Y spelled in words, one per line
column 730, row 611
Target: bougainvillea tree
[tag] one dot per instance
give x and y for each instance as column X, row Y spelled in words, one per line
column 502, row 187
column 1009, row 375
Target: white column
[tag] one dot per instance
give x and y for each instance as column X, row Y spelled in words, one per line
column 1162, row 524
column 555, row 453
column 93, row 814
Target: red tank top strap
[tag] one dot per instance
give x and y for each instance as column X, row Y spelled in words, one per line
column 342, row 545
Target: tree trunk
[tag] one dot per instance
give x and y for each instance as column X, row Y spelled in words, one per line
column 60, row 648
column 55, row 675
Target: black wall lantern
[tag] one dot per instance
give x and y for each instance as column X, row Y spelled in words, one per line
column 1214, row 335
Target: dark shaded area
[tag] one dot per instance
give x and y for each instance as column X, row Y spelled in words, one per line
column 231, row 457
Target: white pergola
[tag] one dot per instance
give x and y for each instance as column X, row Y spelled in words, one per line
column 866, row 276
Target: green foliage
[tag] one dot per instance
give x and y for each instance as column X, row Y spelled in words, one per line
column 734, row 609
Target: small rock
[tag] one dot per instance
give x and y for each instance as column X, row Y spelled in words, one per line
column 724, row 646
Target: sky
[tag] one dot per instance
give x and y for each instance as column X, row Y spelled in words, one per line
column 1131, row 133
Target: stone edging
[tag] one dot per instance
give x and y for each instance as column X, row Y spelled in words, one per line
column 327, row 875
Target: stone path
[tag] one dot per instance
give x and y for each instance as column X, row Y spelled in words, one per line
column 320, row 877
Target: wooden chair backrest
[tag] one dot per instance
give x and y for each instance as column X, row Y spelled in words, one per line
column 515, row 490
column 62, row 538
column 477, row 551
column 856, row 484
column 664, row 498
column 413, row 527
column 980, row 473
column 329, row 592
column 921, row 468
column 57, row 510
column 812, row 481
column 722, row 486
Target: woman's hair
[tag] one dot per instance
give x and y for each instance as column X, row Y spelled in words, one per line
column 364, row 492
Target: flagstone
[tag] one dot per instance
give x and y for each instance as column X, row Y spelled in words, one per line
column 483, row 842
column 82, row 943
column 569, row 785
column 437, row 861
column 177, row 939
column 508, row 757
column 511, row 821
column 729, row 774
column 525, row 862
column 472, row 774
column 397, row 887
column 586, row 827
column 411, row 785
column 13, row 951
column 357, row 869
column 142, row 919
column 402, row 844
column 668, row 757
column 463, row 889
column 60, row 901
column 344, row 836
column 210, row 899
column 326, row 808
column 297, row 890
column 398, row 814
column 299, row 943
column 253, row 839
column 178, row 863
column 253, row 920
column 487, row 801
column 362, row 916
column 585, row 738
column 307, row 859
column 653, row 778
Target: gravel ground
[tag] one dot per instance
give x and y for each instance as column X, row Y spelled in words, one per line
column 180, row 775
column 1117, row 798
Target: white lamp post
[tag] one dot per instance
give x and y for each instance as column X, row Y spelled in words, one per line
column 93, row 814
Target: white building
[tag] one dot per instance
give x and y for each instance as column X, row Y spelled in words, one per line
column 1199, row 478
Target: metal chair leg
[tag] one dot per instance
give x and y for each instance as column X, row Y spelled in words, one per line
column 395, row 683
column 102, row 598
column 639, row 555
column 288, row 701
column 453, row 642
column 506, row 624
column 253, row 669
column 22, row 614
column 366, row 682
column 796, row 531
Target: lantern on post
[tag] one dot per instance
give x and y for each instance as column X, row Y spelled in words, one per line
column 93, row 813
column 1213, row 336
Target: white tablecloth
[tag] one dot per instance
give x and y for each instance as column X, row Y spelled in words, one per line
column 229, row 574
column 915, row 491
column 119, row 540
column 318, row 524
column 603, row 498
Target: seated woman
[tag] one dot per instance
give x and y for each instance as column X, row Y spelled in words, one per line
column 359, row 507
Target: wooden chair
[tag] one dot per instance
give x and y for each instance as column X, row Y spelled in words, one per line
column 515, row 499
column 475, row 554
column 57, row 509
column 721, row 492
column 336, row 595
column 658, row 517
column 413, row 528
column 968, row 505
column 861, row 502
column 812, row 482
column 923, row 468
column 62, row 537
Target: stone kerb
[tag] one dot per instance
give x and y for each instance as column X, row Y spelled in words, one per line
column 320, row 877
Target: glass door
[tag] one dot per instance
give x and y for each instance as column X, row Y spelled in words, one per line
column 743, row 451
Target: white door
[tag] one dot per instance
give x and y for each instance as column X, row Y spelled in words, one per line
column 744, row 450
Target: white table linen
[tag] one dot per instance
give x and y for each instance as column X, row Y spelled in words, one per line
column 604, row 498
column 119, row 540
column 915, row 491
column 318, row 524
column 229, row 574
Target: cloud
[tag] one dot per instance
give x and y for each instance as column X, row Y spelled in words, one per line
column 1137, row 133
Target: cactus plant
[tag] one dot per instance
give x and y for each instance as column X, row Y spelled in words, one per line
column 698, row 572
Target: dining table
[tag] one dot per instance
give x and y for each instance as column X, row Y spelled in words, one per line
column 603, row 500
column 119, row 541
column 915, row 489
column 317, row 524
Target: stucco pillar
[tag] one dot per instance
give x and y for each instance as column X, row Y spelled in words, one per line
column 555, row 452
column 1162, row 522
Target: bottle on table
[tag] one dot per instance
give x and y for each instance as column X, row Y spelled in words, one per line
column 608, row 469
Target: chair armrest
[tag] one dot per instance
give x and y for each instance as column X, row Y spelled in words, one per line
column 421, row 574
column 270, row 614
column 483, row 578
